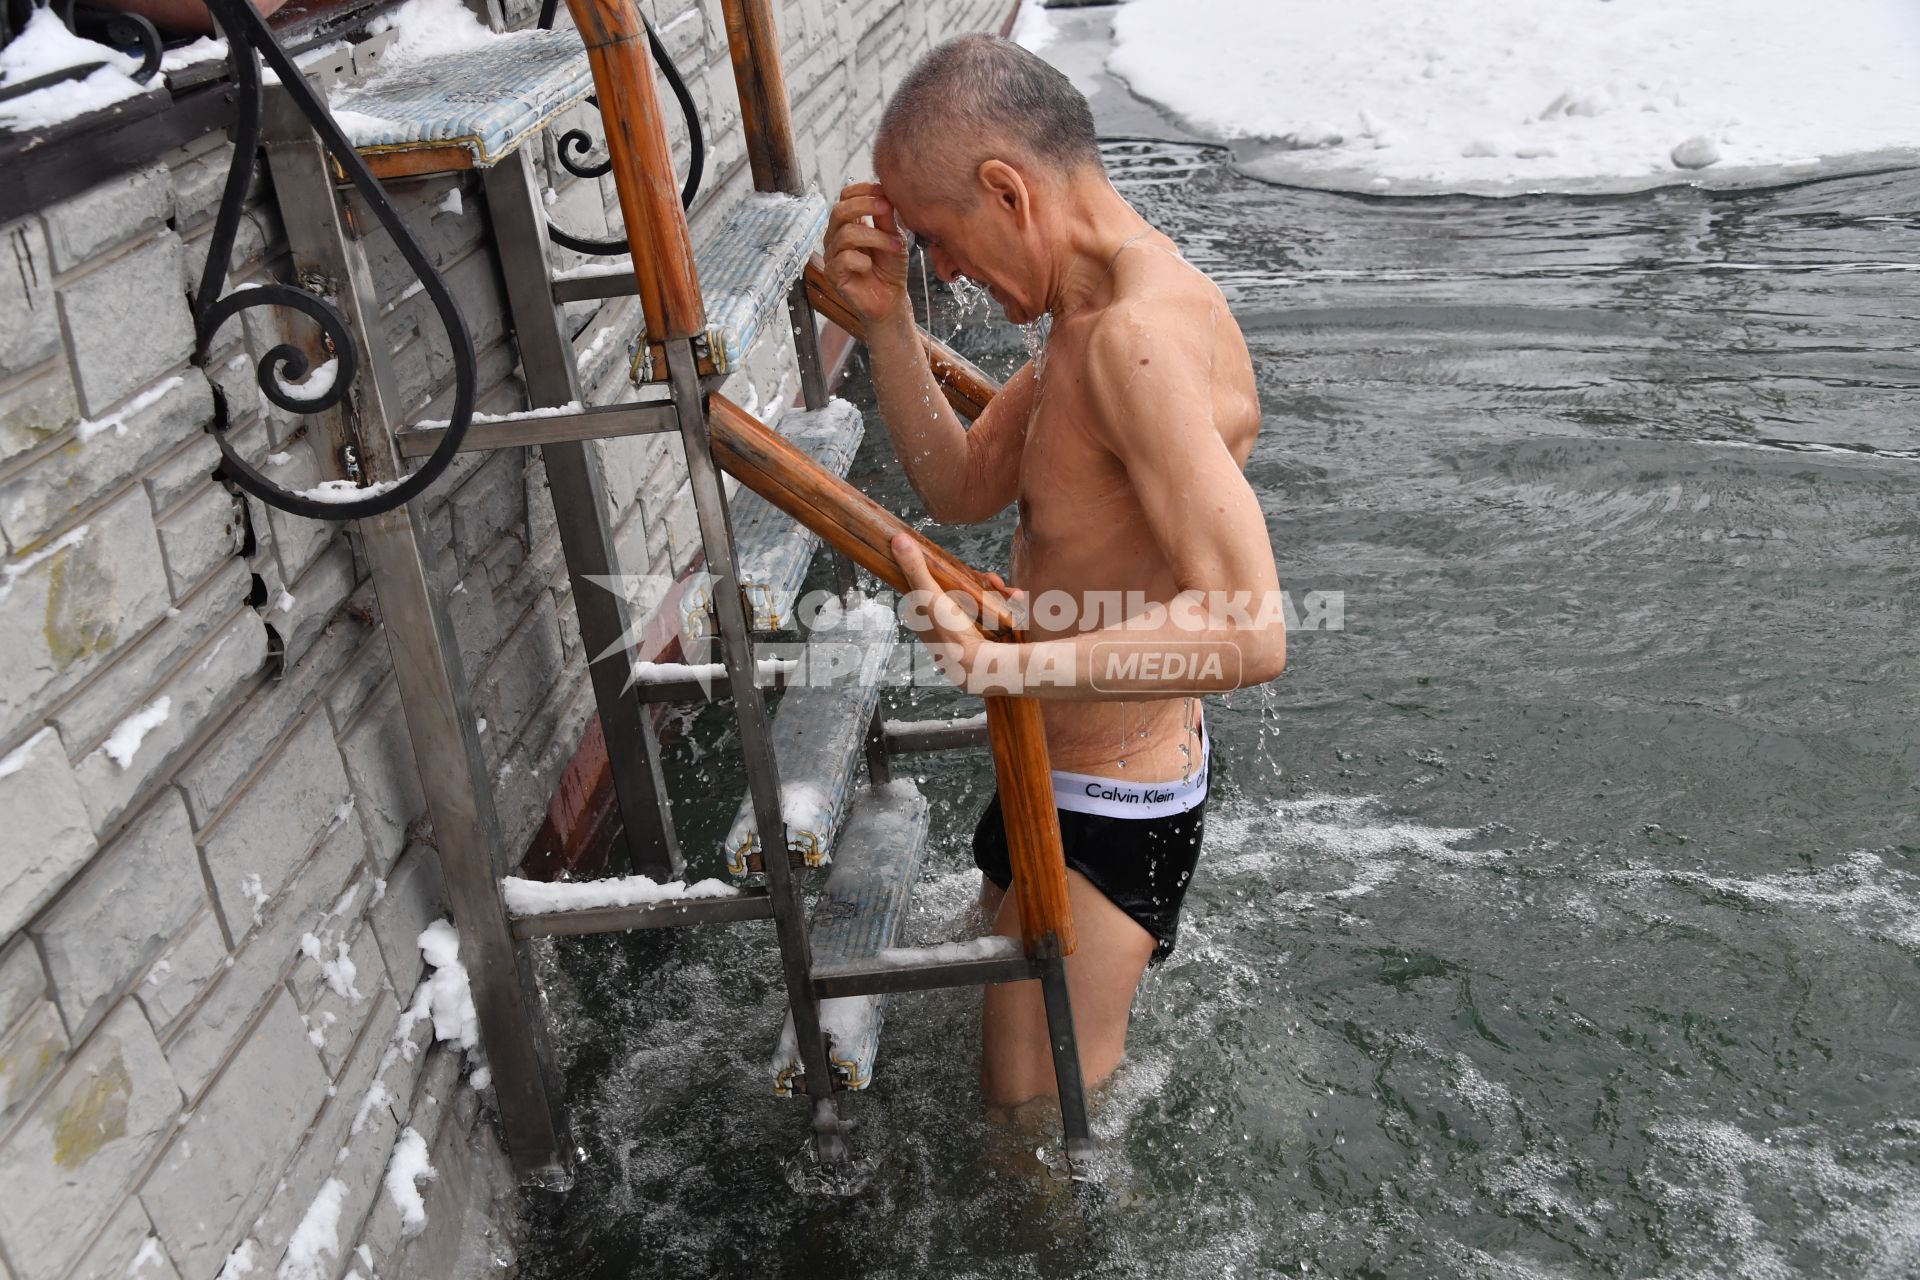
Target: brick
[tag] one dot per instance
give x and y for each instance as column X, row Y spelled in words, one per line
column 196, row 693
column 335, row 1017
column 78, row 474
column 489, row 505
column 363, row 673
column 122, row 1244
column 172, row 480
column 183, row 971
column 296, row 540
column 275, row 822
column 262, row 959
column 386, row 784
column 198, row 184
column 466, row 1203
column 68, row 606
column 220, row 1170
column 49, row 837
column 29, row 1055
column 358, row 1160
column 520, row 678
column 197, row 537
column 72, row 1156
column 37, row 410
column 477, row 625
column 22, row 981
column 317, row 595
column 415, row 897
column 252, row 241
column 209, row 779
column 123, row 909
column 129, row 322
column 29, row 327
column 149, row 662
column 111, row 214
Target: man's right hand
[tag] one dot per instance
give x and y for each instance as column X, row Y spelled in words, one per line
column 867, row 263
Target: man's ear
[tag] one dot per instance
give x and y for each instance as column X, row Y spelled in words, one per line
column 1003, row 184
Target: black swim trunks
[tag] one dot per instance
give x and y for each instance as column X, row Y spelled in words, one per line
column 1136, row 843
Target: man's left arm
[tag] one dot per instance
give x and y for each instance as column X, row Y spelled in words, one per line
column 1223, row 629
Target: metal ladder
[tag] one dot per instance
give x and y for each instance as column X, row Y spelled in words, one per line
column 307, row 160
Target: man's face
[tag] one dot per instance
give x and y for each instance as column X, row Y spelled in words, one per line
column 977, row 238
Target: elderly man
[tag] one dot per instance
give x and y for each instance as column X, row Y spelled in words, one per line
column 1123, row 444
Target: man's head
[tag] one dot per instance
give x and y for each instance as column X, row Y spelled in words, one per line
column 978, row 147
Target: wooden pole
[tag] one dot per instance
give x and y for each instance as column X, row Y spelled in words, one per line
column 617, row 51
column 863, row 530
column 967, row 386
column 854, row 524
column 765, row 115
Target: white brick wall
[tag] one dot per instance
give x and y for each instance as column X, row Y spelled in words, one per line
column 171, row 1065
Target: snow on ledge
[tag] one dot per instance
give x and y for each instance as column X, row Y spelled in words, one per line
column 536, row 897
column 1406, row 96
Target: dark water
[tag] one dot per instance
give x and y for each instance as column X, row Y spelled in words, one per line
column 1560, row 914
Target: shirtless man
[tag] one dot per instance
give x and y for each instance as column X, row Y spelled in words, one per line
column 1124, row 447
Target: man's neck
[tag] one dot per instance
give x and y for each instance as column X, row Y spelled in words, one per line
column 1095, row 223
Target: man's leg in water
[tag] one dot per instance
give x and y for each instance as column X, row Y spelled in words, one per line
column 1102, row 975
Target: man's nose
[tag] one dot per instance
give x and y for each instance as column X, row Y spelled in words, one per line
column 944, row 265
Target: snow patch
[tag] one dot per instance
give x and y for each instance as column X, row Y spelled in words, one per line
column 408, row 1167
column 451, row 202
column 9, row 574
column 340, row 491
column 117, row 422
column 127, row 736
column 45, row 46
column 1486, row 93
column 318, row 1234
column 532, row 897
column 430, row 28
column 16, row 760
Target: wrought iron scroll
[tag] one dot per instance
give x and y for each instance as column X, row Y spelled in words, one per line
column 576, row 144
column 249, row 40
column 127, row 32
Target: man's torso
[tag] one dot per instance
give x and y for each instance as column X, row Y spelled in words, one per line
column 1083, row 530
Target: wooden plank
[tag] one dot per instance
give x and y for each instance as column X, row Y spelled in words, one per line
column 417, row 162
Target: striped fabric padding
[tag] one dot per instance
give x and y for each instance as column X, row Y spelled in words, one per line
column 747, row 265
column 865, row 901
column 488, row 100
column 771, row 549
column 819, row 733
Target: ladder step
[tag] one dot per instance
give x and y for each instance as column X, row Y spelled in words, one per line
column 858, row 919
column 771, row 548
column 819, row 735
column 746, row 266
column 470, row 107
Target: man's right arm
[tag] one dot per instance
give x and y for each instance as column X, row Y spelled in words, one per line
column 962, row 476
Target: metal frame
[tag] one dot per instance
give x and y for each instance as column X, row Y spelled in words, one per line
column 756, row 744
column 580, row 509
column 433, row 683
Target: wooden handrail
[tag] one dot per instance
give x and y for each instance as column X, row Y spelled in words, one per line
column 968, row 388
column 863, row 530
column 669, row 288
column 754, row 43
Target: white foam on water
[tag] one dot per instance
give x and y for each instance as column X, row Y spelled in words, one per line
column 1719, row 1171
column 1864, row 890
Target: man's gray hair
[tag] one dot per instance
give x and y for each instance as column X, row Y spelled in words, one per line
column 975, row 91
